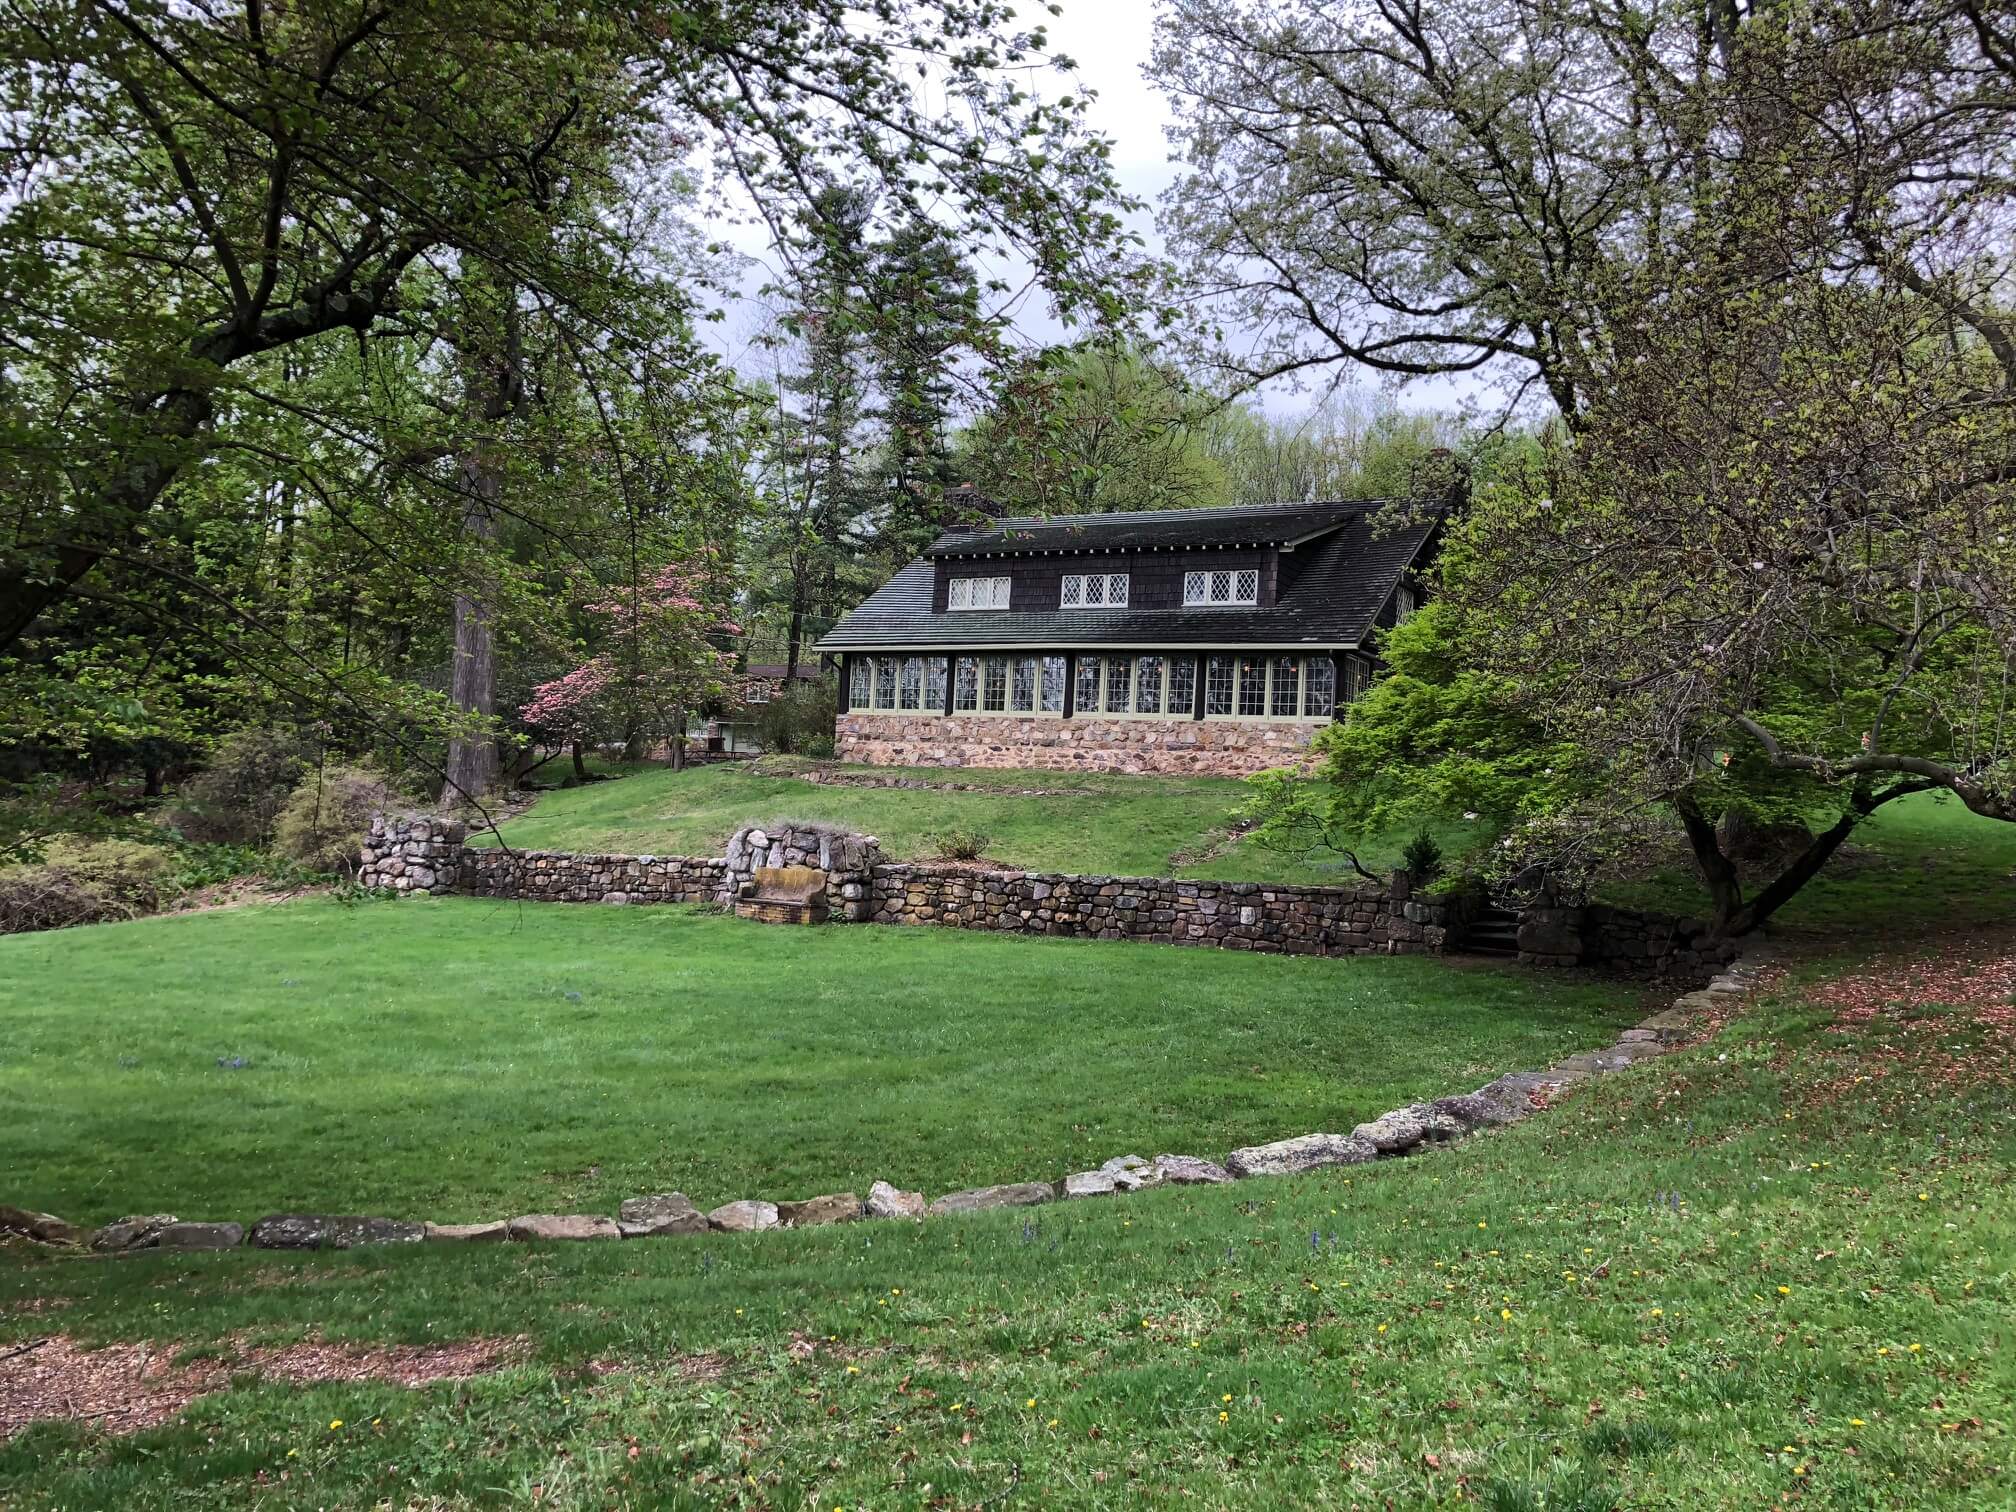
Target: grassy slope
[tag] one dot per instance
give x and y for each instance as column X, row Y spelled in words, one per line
column 461, row 1059
column 1085, row 822
column 1923, row 861
column 1735, row 1277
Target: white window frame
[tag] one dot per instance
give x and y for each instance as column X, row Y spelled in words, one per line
column 969, row 593
column 1271, row 684
column 1221, row 588
column 1094, row 590
column 1094, row 681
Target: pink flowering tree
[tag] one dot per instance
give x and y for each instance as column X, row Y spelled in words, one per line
column 657, row 659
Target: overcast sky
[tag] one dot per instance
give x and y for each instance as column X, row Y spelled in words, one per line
column 1109, row 40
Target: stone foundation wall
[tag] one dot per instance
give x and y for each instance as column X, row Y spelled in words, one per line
column 1620, row 939
column 1232, row 915
column 1088, row 743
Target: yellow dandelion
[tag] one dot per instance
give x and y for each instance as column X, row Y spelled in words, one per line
column 1924, row 1196
column 1052, row 1423
column 1916, row 1347
column 334, row 1424
column 1482, row 1224
column 853, row 1370
column 1382, row 1328
column 1030, row 1403
column 1224, row 1417
column 1658, row 1312
column 1857, row 1423
column 958, row 1406
column 1505, row 1313
column 1194, row 1344
column 1226, row 1398
column 1784, row 1291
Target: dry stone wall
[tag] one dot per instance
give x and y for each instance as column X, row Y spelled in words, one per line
column 1084, row 743
column 422, row 853
column 1619, row 939
column 413, row 853
column 1233, row 915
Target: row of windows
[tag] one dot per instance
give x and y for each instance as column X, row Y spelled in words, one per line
column 1219, row 588
column 1235, row 687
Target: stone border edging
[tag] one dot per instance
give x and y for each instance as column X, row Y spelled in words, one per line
column 1403, row 1131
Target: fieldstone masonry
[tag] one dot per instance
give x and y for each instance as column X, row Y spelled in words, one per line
column 421, row 853
column 413, row 853
column 1087, row 743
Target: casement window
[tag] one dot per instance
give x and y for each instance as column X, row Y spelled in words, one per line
column 1150, row 683
column 966, row 685
column 885, row 682
column 910, row 683
column 934, row 683
column 858, row 673
column 977, row 593
column 994, row 685
column 1404, row 604
column 1053, row 685
column 1270, row 687
column 1221, row 587
column 1094, row 590
column 1218, row 677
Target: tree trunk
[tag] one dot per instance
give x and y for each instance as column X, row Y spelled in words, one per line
column 1725, row 888
column 678, row 745
column 796, row 635
column 1803, row 868
column 472, row 757
column 580, row 767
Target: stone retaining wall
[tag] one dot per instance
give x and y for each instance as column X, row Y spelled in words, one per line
column 421, row 853
column 1233, row 915
column 1086, row 743
column 414, row 853
column 1619, row 939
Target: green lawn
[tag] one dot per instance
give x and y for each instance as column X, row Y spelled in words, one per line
column 1921, row 862
column 462, row 1059
column 1106, row 824
column 1774, row 1270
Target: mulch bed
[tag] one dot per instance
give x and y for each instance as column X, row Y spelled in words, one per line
column 124, row 1388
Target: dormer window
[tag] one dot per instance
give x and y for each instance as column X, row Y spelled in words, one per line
column 1094, row 590
column 1221, row 587
column 977, row 593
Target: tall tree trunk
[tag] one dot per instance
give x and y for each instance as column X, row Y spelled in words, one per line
column 472, row 757
column 491, row 390
column 796, row 635
column 580, row 766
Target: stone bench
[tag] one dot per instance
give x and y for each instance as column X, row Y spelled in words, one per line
column 783, row 895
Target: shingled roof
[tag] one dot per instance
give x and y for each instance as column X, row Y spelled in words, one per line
column 1152, row 529
column 1349, row 558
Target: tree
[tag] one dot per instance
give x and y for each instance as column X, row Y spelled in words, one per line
column 1091, row 428
column 212, row 207
column 659, row 657
column 1767, row 572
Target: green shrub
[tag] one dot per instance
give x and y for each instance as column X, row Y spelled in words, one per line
column 1422, row 858
column 796, row 718
column 238, row 796
column 85, row 882
column 960, row 844
column 323, row 823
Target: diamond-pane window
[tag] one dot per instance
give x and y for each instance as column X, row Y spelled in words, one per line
column 1220, row 586
column 1074, row 590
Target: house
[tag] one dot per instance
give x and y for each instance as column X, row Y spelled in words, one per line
column 731, row 730
column 1194, row 640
